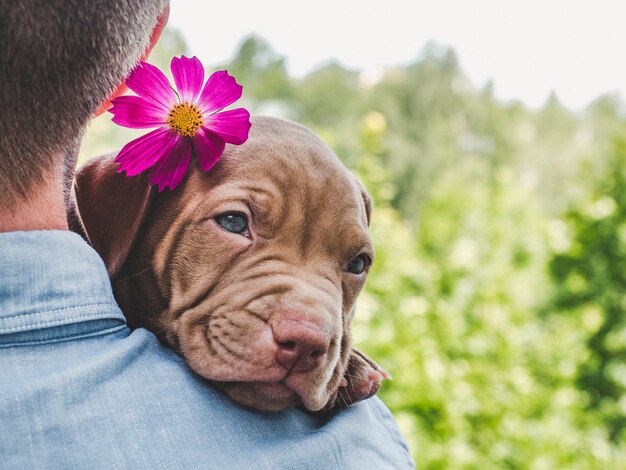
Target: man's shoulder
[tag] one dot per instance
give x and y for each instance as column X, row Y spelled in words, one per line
column 79, row 390
column 123, row 400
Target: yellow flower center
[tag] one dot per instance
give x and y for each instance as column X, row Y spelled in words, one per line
column 185, row 119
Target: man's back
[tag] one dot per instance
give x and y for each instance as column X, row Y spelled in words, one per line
column 79, row 390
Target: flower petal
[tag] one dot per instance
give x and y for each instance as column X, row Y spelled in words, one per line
column 188, row 76
column 171, row 170
column 140, row 154
column 220, row 90
column 137, row 113
column 209, row 147
column 232, row 126
column 150, row 83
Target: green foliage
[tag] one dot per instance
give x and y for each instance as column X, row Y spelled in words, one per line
column 262, row 71
column 480, row 380
column 590, row 275
column 497, row 296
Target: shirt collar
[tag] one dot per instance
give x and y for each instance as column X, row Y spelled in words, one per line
column 50, row 279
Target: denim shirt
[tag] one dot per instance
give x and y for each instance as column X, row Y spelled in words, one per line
column 78, row 389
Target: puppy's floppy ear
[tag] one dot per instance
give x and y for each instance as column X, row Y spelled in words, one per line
column 110, row 208
column 367, row 200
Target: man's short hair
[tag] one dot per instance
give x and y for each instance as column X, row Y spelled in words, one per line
column 59, row 60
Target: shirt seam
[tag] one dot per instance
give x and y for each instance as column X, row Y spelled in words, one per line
column 58, row 339
column 54, row 310
column 58, row 322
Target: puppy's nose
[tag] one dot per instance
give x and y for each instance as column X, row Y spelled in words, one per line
column 301, row 344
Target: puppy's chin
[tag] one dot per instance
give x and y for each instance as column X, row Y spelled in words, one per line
column 258, row 382
column 260, row 395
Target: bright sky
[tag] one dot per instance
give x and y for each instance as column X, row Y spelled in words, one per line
column 529, row 47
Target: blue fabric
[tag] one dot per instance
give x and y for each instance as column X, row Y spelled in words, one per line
column 79, row 390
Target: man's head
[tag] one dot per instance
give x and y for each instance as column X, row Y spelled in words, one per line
column 60, row 60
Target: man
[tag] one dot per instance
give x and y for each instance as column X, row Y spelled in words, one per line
column 77, row 388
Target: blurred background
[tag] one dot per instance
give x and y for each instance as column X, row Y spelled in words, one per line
column 492, row 136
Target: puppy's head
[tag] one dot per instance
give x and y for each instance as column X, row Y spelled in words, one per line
column 250, row 271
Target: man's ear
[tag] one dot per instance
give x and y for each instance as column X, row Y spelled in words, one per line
column 154, row 38
column 110, row 209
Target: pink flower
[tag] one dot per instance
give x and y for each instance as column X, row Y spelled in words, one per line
column 189, row 118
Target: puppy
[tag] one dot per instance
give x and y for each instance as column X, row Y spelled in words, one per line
column 249, row 271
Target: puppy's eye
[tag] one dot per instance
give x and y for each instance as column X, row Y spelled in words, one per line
column 358, row 264
column 233, row 222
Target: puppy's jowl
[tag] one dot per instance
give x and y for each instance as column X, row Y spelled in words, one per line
column 249, row 271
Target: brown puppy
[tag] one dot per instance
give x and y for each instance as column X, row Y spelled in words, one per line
column 249, row 271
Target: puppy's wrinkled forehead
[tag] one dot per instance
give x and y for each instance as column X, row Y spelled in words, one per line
column 288, row 176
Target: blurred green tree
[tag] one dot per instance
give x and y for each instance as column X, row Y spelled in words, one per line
column 590, row 277
column 261, row 70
